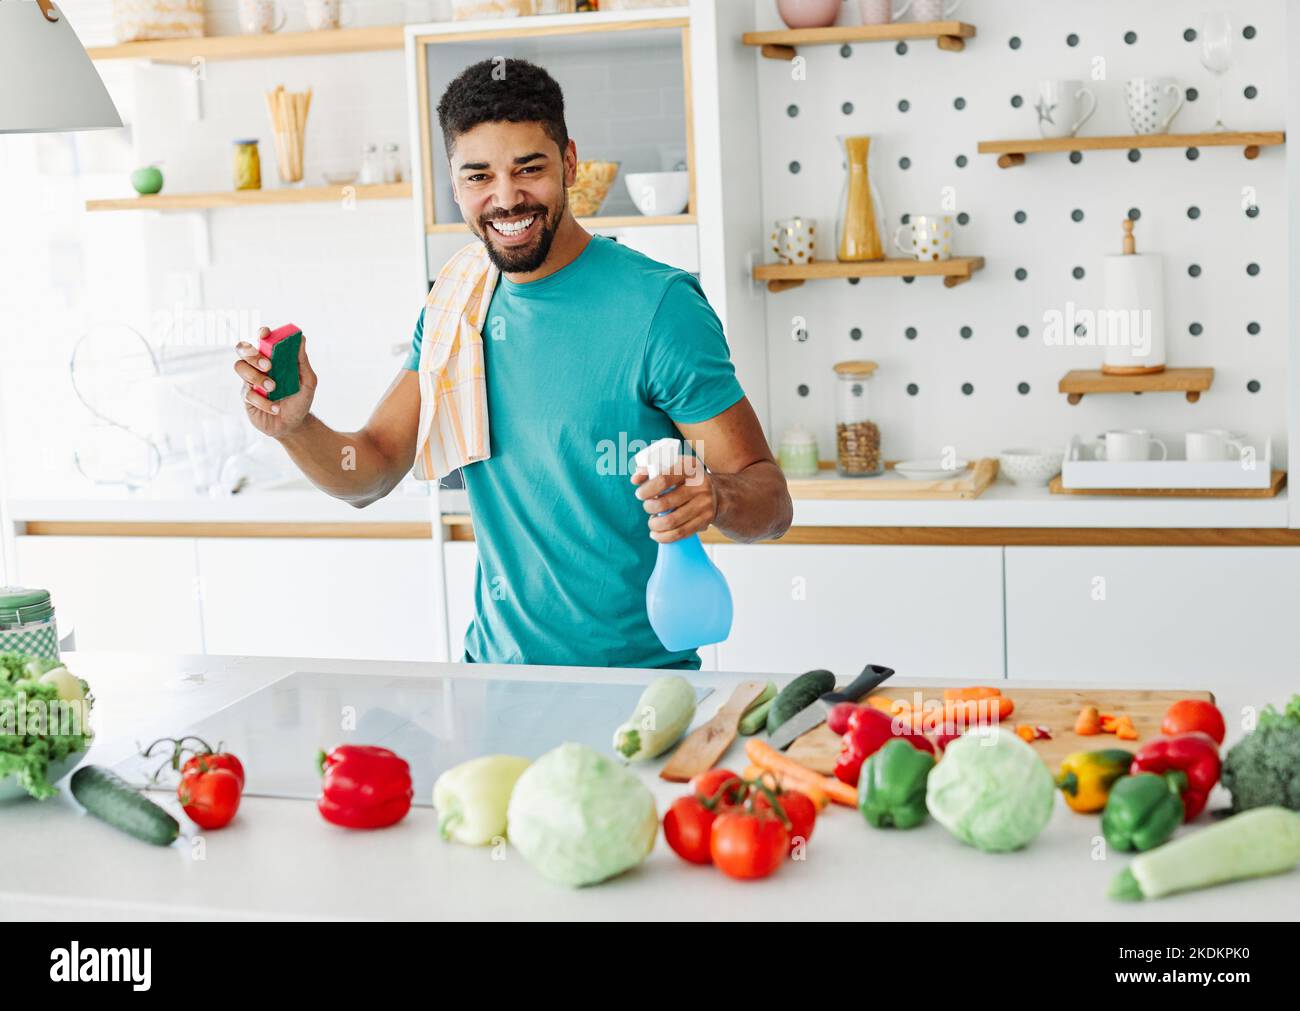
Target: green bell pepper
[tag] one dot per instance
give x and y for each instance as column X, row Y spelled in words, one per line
column 1143, row 811
column 891, row 788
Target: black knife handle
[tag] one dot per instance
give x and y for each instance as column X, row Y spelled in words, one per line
column 872, row 676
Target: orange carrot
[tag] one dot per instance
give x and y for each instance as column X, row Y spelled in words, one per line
column 971, row 694
column 882, row 702
column 1026, row 732
column 812, row 790
column 1125, row 730
column 767, row 757
column 1088, row 722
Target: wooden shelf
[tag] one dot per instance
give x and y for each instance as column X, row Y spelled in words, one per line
column 1192, row 382
column 609, row 221
column 251, row 47
column 250, row 198
column 1012, row 152
column 781, row 45
column 783, row 276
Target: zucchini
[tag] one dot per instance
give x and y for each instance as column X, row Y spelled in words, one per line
column 662, row 715
column 1265, row 840
column 110, row 798
column 800, row 693
column 755, row 718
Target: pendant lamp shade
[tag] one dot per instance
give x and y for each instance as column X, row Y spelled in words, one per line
column 47, row 82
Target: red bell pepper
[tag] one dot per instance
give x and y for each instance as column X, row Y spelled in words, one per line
column 363, row 787
column 1194, row 754
column 868, row 730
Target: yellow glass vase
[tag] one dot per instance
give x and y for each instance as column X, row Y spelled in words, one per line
column 859, row 230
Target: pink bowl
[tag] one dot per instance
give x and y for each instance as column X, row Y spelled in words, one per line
column 808, row 13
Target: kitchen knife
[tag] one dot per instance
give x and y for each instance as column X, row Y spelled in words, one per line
column 815, row 714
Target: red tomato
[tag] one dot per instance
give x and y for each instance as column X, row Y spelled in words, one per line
column 1190, row 715
column 215, row 760
column 210, row 798
column 707, row 784
column 748, row 846
column 799, row 810
column 688, row 826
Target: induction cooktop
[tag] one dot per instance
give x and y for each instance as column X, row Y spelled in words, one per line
column 432, row 722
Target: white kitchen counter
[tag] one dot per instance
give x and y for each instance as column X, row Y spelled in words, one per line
column 280, row 859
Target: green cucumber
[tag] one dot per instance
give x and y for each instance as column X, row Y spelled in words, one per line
column 798, row 695
column 662, row 715
column 107, row 796
column 1265, row 840
column 755, row 718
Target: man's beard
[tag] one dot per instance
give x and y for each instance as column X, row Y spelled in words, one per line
column 523, row 259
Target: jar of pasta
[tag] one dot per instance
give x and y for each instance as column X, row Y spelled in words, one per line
column 857, row 437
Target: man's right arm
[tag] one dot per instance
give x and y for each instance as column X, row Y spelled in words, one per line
column 358, row 467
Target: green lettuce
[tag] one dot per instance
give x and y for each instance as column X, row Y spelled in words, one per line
column 31, row 714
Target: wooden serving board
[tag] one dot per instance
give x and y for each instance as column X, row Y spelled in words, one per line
column 1054, row 708
column 1276, row 481
column 969, row 483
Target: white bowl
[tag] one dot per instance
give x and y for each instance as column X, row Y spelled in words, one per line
column 656, row 193
column 930, row 470
column 1031, row 468
column 10, row 790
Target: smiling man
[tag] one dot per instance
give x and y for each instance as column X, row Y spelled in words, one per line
column 587, row 346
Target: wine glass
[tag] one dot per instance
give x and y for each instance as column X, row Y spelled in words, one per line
column 1216, row 54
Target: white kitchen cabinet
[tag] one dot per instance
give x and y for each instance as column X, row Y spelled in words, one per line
column 119, row 593
column 366, row 598
column 460, row 568
column 1185, row 615
column 925, row 611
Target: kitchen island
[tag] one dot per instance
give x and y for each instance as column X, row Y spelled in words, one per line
column 279, row 859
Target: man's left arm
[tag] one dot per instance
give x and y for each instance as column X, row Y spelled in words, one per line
column 739, row 488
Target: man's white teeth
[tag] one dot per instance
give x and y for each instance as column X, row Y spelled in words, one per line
column 512, row 227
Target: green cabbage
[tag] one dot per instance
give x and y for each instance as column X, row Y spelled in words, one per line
column 578, row 817
column 991, row 790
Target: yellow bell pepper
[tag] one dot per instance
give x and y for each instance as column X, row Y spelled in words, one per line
column 1087, row 776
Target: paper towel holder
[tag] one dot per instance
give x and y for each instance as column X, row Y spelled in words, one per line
column 1129, row 248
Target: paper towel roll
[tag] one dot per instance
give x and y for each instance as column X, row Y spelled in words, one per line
column 1131, row 326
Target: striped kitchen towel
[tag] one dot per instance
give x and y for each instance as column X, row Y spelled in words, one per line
column 453, row 384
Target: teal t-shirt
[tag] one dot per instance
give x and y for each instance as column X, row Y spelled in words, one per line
column 584, row 367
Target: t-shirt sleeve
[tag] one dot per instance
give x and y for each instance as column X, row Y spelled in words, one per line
column 688, row 370
column 413, row 356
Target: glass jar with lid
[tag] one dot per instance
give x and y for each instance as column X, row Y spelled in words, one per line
column 857, row 437
column 27, row 622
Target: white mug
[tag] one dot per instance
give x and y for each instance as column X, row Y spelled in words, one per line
column 258, row 17
column 1214, row 445
column 881, row 12
column 325, row 14
column 1061, row 107
column 1153, row 102
column 1127, row 445
column 926, row 237
column 933, row 10
column 794, row 240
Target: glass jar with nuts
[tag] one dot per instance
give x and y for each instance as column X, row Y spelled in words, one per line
column 857, row 437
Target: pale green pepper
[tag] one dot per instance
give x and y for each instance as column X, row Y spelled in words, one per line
column 472, row 798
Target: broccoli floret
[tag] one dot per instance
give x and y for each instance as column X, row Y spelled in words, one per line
column 1264, row 769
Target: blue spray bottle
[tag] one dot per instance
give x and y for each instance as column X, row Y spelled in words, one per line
column 687, row 598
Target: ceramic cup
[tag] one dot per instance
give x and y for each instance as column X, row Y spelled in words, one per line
column 934, row 10
column 1063, row 107
column 1127, row 445
column 1214, row 445
column 926, row 236
column 323, row 15
column 258, row 17
column 881, row 12
column 1153, row 102
column 794, row 240
column 809, row 13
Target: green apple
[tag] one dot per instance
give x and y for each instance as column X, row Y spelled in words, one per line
column 147, row 180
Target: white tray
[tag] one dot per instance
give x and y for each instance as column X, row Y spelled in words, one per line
column 1080, row 470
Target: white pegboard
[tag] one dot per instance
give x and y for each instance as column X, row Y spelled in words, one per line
column 933, row 133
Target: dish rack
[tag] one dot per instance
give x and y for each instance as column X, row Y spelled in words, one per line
column 1081, row 470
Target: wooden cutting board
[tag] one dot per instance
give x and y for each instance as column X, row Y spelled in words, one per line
column 1054, row 708
column 966, row 484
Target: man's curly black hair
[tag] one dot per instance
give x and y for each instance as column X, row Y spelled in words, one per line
column 502, row 91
